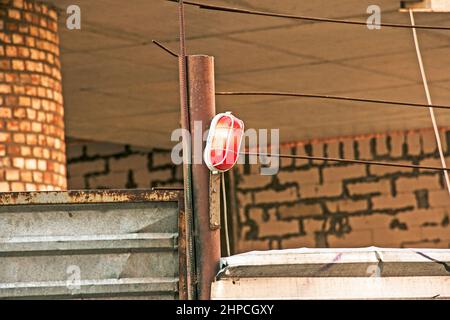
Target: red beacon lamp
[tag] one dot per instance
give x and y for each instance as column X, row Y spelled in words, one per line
column 224, row 141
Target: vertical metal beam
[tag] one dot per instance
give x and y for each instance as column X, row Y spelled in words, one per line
column 201, row 111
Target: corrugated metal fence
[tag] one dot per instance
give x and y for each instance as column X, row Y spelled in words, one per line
column 92, row 244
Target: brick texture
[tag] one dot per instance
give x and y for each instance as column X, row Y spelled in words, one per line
column 309, row 203
column 32, row 143
column 320, row 204
column 92, row 165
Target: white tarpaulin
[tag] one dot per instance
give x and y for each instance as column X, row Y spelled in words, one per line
column 365, row 273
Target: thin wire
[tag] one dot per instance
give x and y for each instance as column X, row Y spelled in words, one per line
column 225, row 218
column 159, row 44
column 330, row 97
column 376, row 163
column 430, row 103
column 297, row 17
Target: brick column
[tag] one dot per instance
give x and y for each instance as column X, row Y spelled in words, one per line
column 32, row 147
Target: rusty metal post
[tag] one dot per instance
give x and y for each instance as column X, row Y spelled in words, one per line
column 201, row 111
column 187, row 170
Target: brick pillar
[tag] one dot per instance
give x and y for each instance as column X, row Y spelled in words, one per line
column 32, row 147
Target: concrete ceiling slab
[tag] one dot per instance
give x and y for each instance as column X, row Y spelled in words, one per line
column 118, row 87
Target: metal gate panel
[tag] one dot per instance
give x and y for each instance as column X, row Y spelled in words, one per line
column 92, row 244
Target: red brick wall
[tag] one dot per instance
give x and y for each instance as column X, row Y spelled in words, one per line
column 32, row 147
column 320, row 204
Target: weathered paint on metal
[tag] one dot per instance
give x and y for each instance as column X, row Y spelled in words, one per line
column 214, row 201
column 202, row 109
column 187, row 152
column 185, row 283
column 93, row 244
column 88, row 196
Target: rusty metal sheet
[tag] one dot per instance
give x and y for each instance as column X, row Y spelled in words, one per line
column 92, row 245
column 83, row 196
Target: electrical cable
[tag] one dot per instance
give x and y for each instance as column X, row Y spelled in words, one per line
column 225, row 217
column 307, row 18
column 330, row 97
column 353, row 161
column 430, row 103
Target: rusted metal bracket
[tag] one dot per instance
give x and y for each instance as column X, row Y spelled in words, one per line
column 214, row 201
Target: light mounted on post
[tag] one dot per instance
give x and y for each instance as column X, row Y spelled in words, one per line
column 224, row 140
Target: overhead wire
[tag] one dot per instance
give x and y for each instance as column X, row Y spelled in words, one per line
column 329, row 97
column 351, row 161
column 307, row 18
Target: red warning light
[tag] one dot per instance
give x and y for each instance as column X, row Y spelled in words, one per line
column 224, row 140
